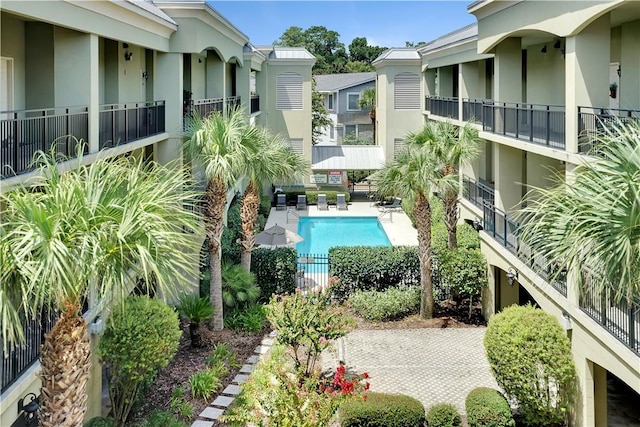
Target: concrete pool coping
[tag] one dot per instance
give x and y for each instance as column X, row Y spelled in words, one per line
column 397, row 225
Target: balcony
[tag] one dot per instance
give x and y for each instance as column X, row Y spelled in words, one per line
column 24, row 132
column 472, row 109
column 204, row 107
column 478, row 192
column 592, row 121
column 124, row 123
column 537, row 124
column 442, row 106
column 15, row 361
column 255, row 103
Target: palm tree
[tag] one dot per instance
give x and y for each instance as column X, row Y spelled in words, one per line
column 593, row 220
column 273, row 161
column 223, row 144
column 93, row 230
column 368, row 100
column 414, row 174
column 453, row 146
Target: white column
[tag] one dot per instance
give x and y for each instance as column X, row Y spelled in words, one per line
column 168, row 87
column 507, row 85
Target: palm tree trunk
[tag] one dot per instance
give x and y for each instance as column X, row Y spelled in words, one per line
column 248, row 213
column 422, row 216
column 372, row 116
column 64, row 371
column 216, row 199
column 451, row 218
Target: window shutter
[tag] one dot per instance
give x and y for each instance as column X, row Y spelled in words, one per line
column 297, row 145
column 289, row 91
column 406, row 91
column 398, row 146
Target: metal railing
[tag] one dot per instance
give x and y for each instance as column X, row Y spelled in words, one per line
column 233, row 102
column 502, row 228
column 538, row 124
column 19, row 358
column 472, row 110
column 204, row 107
column 552, row 273
column 123, row 123
column 24, row 132
column 620, row 317
column 592, row 121
column 476, row 192
column 255, row 103
column 442, row 106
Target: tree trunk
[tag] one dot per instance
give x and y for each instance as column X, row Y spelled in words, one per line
column 372, row 116
column 195, row 333
column 216, row 200
column 64, row 371
column 249, row 213
column 422, row 216
column 451, row 218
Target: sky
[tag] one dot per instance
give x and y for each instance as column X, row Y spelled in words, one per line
column 383, row 23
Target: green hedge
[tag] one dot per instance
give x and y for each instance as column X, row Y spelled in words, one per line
column 391, row 304
column 274, row 270
column 382, row 410
column 443, row 415
column 367, row 268
column 312, row 196
column 486, row 407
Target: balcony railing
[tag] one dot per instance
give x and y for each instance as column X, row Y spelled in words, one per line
column 477, row 192
column 500, row 227
column 618, row 316
column 442, row 106
column 592, row 121
column 552, row 273
column 255, row 103
column 204, row 107
column 234, row 102
column 538, row 124
column 24, row 132
column 19, row 358
column 472, row 109
column 123, row 123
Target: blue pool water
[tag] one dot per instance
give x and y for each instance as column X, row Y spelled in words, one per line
column 322, row 233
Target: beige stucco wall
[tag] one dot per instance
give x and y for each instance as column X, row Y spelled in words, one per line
column 629, row 90
column 12, row 45
column 545, row 75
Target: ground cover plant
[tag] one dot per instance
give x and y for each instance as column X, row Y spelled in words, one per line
column 391, row 304
column 382, row 410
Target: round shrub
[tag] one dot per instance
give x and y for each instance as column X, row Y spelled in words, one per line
column 486, row 407
column 394, row 303
column 443, row 415
column 530, row 357
column 382, row 410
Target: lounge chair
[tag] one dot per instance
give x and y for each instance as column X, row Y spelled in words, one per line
column 396, row 206
column 301, row 205
column 281, row 202
column 341, row 202
column 322, row 202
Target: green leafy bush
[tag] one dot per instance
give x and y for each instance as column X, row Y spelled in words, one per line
column 464, row 272
column 364, row 268
column 390, row 304
column 486, row 407
column 307, row 324
column 232, row 232
column 312, row 196
column 275, row 271
column 163, row 419
column 382, row 410
column 443, row 415
column 196, row 310
column 100, row 422
column 141, row 338
column 252, row 318
column 203, row 384
column 530, row 357
column 238, row 286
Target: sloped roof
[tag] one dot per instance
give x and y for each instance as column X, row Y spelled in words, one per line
column 290, row 53
column 347, row 157
column 398, row 53
column 460, row 35
column 335, row 82
column 153, row 9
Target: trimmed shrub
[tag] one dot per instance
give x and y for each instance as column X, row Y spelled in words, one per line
column 530, row 357
column 364, row 268
column 141, row 338
column 382, row 410
column 391, row 304
column 275, row 271
column 464, row 272
column 312, row 196
column 486, row 407
column 443, row 415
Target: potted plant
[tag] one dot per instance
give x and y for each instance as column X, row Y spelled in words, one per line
column 613, row 89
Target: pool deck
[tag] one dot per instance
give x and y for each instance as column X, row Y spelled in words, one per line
column 397, row 225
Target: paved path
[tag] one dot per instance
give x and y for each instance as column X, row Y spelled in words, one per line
column 432, row 365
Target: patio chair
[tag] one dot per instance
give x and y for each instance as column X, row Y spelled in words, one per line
column 396, row 206
column 281, row 201
column 341, row 202
column 301, row 205
column 322, row 202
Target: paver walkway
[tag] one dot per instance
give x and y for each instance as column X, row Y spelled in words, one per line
column 431, row 365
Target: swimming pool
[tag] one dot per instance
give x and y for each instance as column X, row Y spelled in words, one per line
column 322, row 233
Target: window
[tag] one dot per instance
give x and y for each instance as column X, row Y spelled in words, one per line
column 353, row 101
column 350, row 130
column 289, row 91
column 330, row 102
column 332, row 133
column 406, row 91
column 297, row 145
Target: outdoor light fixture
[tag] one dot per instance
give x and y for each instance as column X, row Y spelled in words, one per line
column 557, row 44
column 544, row 49
column 477, row 225
column 128, row 56
column 199, row 60
column 29, row 408
column 125, row 45
column 512, row 276
column 145, row 75
column 619, row 70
